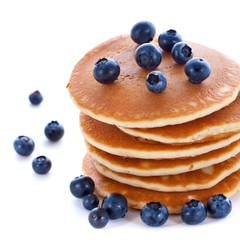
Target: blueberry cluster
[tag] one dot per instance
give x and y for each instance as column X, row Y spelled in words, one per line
column 153, row 214
column 148, row 56
column 113, row 206
column 193, row 212
column 24, row 145
column 197, row 69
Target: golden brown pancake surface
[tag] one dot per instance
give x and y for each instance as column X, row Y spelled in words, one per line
column 127, row 102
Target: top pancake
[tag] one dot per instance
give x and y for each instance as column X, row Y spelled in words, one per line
column 128, row 103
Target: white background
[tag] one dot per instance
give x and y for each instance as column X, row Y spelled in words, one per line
column 40, row 42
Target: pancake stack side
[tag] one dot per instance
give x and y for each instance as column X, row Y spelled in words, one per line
column 170, row 147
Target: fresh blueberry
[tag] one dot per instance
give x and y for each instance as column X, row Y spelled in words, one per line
column 219, row 206
column 193, row 212
column 182, row 52
column 98, row 217
column 154, row 214
column 143, row 32
column 166, row 40
column 156, row 82
column 90, row 201
column 197, row 70
column 54, row 131
column 81, row 186
column 23, row 145
column 106, row 70
column 148, row 56
column 116, row 205
column 35, row 97
column 41, row 165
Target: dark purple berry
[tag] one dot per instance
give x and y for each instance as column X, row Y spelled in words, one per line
column 98, row 217
column 193, row 212
column 143, row 32
column 182, row 52
column 148, row 56
column 197, row 70
column 219, row 206
column 116, row 205
column 156, row 82
column 154, row 214
column 41, row 165
column 23, row 145
column 35, row 97
column 81, row 186
column 106, row 70
column 90, row 201
column 166, row 40
column 54, row 131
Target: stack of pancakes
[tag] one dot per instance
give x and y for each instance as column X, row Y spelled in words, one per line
column 169, row 147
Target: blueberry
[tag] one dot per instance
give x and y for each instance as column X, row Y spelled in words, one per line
column 106, row 70
column 148, row 56
column 116, row 205
column 156, row 82
column 197, row 70
column 166, row 40
column 23, row 145
column 81, row 186
column 90, row 201
column 54, row 131
column 143, row 32
column 182, row 52
column 219, row 206
column 98, row 217
column 154, row 214
column 35, row 97
column 193, row 212
column 41, row 165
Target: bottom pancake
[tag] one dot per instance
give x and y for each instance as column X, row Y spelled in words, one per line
column 174, row 201
column 199, row 179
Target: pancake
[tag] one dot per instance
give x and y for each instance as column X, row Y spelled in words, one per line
column 174, row 201
column 152, row 167
column 112, row 140
column 128, row 103
column 217, row 125
column 194, row 180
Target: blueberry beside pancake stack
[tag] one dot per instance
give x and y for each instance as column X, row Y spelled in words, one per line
column 170, row 147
